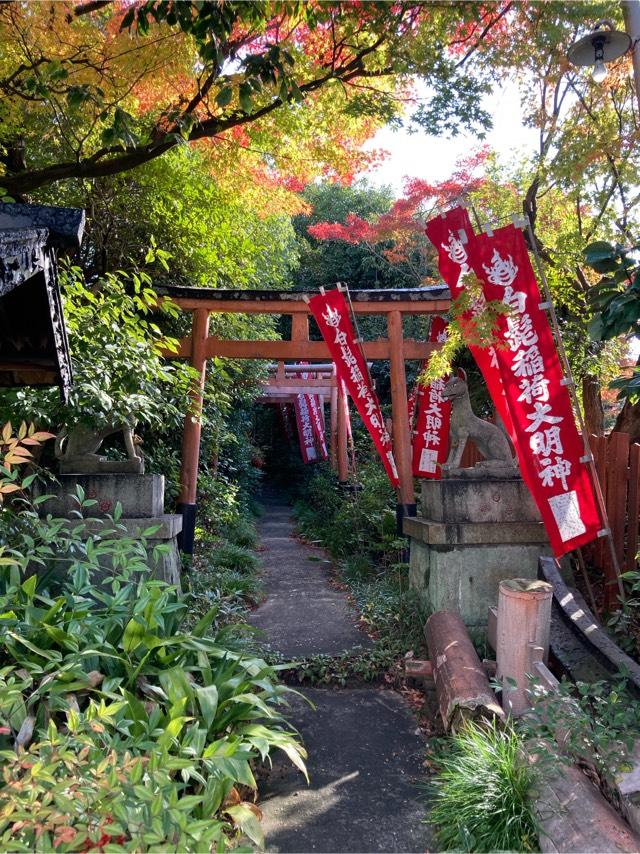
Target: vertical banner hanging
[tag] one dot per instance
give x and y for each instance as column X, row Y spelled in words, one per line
column 411, row 403
column 305, row 429
column 318, row 425
column 550, row 448
column 284, row 411
column 317, row 420
column 431, row 434
column 452, row 235
column 332, row 316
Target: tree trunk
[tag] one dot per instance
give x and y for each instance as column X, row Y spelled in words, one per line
column 628, row 421
column 592, row 403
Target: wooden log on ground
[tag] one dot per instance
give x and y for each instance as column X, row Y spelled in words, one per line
column 573, row 816
column 462, row 686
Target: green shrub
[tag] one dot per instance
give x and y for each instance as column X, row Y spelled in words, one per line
column 598, row 722
column 231, row 556
column 390, row 609
column 357, row 568
column 242, row 533
column 352, row 523
column 481, row 795
column 67, row 794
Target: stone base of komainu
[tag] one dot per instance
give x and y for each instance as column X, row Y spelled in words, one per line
column 141, row 500
column 470, row 535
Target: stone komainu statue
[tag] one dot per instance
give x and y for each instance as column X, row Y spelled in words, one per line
column 491, row 441
column 76, row 449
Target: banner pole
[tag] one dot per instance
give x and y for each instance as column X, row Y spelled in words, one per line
column 574, row 398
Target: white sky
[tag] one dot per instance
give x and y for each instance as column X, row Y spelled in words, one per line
column 433, row 158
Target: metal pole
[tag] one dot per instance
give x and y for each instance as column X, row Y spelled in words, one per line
column 631, row 12
column 576, row 405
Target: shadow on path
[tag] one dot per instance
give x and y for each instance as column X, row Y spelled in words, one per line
column 365, row 754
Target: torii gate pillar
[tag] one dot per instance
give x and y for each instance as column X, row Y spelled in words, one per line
column 192, row 430
column 406, row 505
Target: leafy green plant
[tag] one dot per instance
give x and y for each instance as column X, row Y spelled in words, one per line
column 592, row 722
column 116, row 348
column 615, row 300
column 349, row 668
column 242, row 533
column 481, row 794
column 351, row 523
column 102, row 650
column 68, row 794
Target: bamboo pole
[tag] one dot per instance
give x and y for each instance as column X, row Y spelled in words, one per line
column 333, row 427
column 343, row 465
column 462, row 686
column 522, row 637
column 576, row 405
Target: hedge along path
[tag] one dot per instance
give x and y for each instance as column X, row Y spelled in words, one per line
column 365, row 752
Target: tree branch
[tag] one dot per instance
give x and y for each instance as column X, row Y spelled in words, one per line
column 111, row 160
column 487, row 29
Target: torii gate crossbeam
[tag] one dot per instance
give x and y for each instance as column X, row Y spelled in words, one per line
column 200, row 346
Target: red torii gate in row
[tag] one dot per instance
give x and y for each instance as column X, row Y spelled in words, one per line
column 283, row 386
column 200, row 346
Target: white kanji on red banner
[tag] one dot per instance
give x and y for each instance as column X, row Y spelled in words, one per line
column 331, row 313
column 433, row 412
column 550, row 448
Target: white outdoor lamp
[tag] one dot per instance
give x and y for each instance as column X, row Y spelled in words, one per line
column 602, row 45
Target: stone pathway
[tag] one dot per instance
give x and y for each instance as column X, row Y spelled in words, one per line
column 365, row 756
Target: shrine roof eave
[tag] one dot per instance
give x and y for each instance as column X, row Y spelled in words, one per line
column 421, row 300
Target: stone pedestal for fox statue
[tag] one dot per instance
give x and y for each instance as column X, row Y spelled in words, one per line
column 490, row 440
column 477, row 526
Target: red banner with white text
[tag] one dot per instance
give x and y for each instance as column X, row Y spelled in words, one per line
column 550, row 448
column 317, row 418
column 452, row 235
column 431, row 434
column 331, row 313
column 305, row 429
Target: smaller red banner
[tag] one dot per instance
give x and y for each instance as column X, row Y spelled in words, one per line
column 332, row 316
column 305, row 429
column 431, row 434
column 317, row 418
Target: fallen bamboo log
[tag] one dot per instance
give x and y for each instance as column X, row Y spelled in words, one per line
column 573, row 816
column 462, row 687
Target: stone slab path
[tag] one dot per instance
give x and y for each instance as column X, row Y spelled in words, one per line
column 365, row 753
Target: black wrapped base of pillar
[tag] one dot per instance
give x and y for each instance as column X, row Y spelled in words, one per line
column 186, row 537
column 403, row 510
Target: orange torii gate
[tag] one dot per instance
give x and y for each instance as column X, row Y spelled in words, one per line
column 200, row 346
column 284, row 385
